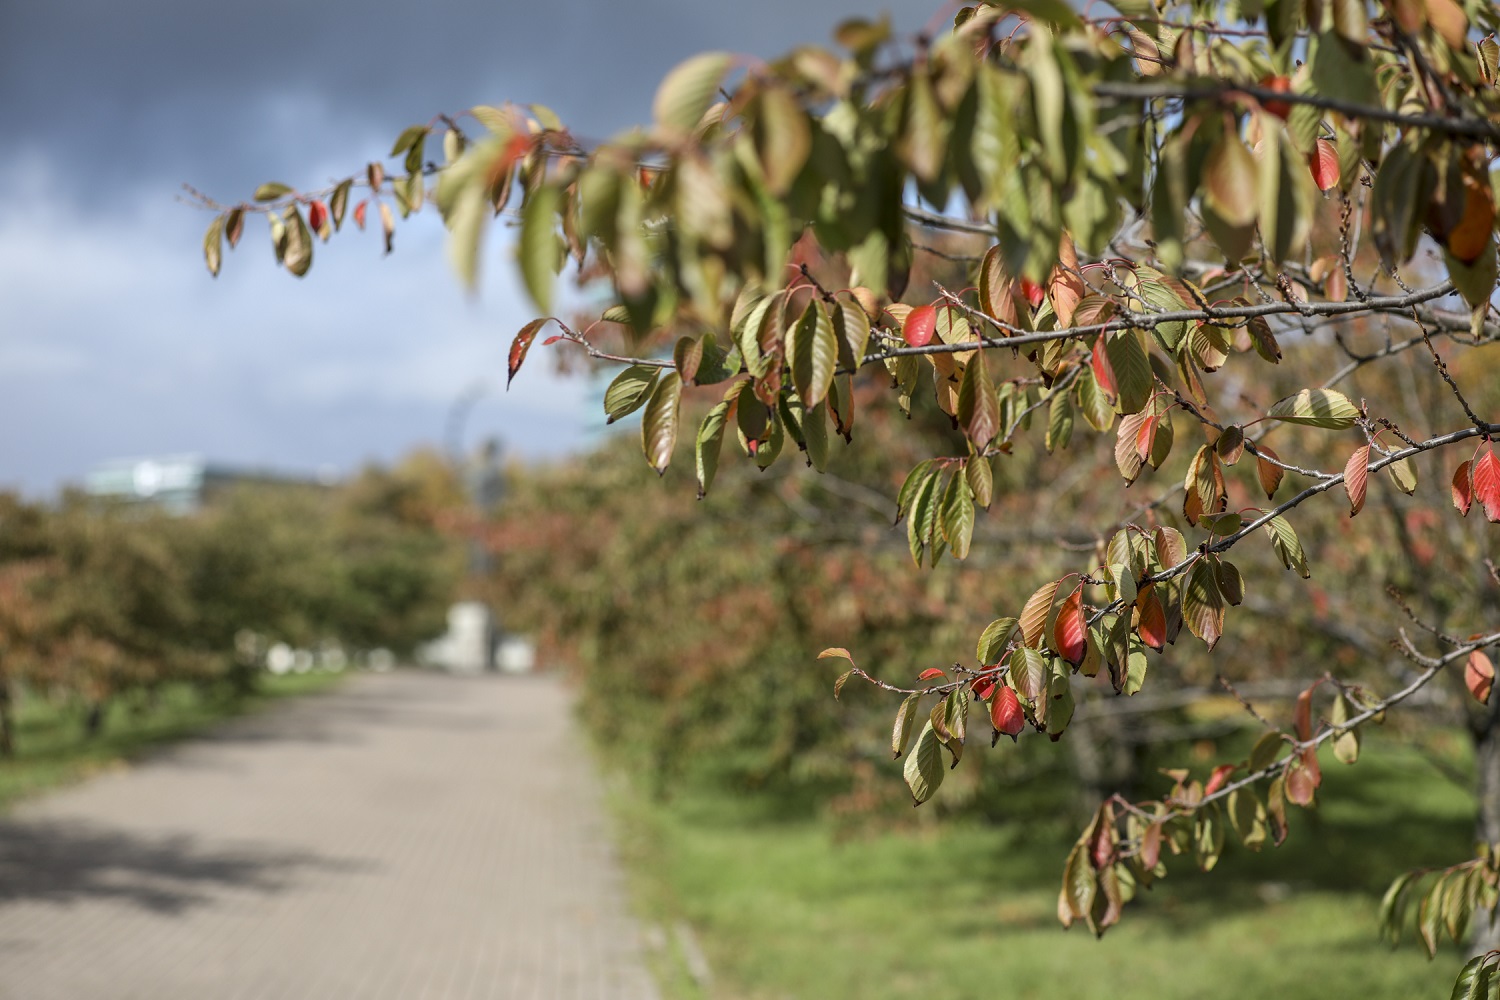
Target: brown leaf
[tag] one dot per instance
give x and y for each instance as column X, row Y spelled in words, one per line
column 1304, row 714
column 1065, row 288
column 1300, row 786
column 1270, row 475
column 521, row 345
column 1152, row 626
column 1036, row 612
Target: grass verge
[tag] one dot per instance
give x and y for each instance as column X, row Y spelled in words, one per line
column 52, row 749
column 960, row 909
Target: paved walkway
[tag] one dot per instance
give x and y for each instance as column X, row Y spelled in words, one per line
column 408, row 836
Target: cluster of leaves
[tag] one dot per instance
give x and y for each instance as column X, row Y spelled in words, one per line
column 100, row 599
column 1166, row 194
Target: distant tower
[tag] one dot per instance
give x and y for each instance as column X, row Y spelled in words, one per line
column 484, row 481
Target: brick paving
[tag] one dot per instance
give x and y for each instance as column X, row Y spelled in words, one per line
column 407, row 836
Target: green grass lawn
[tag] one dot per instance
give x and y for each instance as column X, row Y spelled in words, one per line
column 783, row 910
column 51, row 748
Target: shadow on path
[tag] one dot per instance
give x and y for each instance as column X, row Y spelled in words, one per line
column 67, row 862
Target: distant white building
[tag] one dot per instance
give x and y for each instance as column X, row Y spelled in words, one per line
column 180, row 484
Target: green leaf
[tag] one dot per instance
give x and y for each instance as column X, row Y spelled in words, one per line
column 813, row 351
column 339, row 203
column 924, row 138
column 1286, row 545
column 1393, row 906
column 783, row 138
column 629, row 391
column 957, row 520
column 1076, row 899
column 901, row 730
column 916, row 479
column 1247, row 814
column 1316, row 408
column 271, row 191
column 981, row 477
column 992, row 641
column 1208, row 836
column 1059, row 422
column 1403, row 473
column 688, row 91
column 1346, row 744
column 706, row 451
column 924, row 767
column 1132, row 367
column 213, row 245
column 815, row 436
column 978, row 410
column 539, row 247
column 921, row 517
column 466, row 218
column 297, row 257
column 1202, row 604
column 1229, row 180
column 411, row 137
column 852, row 328
column 1472, row 982
column 1029, row 673
column 659, row 425
column 1094, row 403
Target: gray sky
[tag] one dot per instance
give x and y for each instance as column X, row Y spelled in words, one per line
column 114, row 341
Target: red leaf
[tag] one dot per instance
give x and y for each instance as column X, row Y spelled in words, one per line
column 983, row 687
column 1280, row 84
column 1145, row 438
column 1324, row 162
column 1479, row 676
column 1104, row 374
column 521, row 345
column 1218, row 778
column 1034, row 293
column 1463, row 489
column 930, row 673
column 1005, row 712
column 552, row 340
column 1487, row 484
column 1152, row 627
column 317, row 218
column 1357, row 478
column 920, row 325
column 1069, row 631
column 359, row 214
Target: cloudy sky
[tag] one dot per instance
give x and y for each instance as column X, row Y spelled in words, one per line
column 115, row 342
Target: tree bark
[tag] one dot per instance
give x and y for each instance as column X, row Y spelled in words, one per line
column 93, row 723
column 7, row 719
column 1485, row 729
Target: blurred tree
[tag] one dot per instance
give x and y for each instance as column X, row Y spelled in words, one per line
column 1172, row 198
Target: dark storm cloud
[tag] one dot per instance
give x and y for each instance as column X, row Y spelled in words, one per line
column 226, row 93
column 113, row 340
